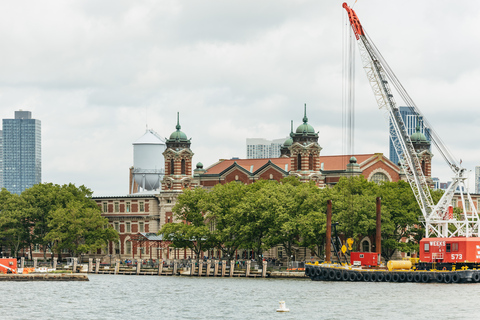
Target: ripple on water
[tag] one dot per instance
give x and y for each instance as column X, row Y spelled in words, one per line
column 118, row 297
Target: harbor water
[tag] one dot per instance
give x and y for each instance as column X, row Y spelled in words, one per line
column 153, row 297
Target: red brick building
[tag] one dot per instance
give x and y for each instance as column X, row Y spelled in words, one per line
column 300, row 157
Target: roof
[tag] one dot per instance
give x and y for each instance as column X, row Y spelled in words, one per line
column 330, row 163
column 150, row 137
column 133, row 195
column 152, row 236
column 250, row 165
column 339, row 162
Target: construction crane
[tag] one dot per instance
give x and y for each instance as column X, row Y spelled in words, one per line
column 439, row 220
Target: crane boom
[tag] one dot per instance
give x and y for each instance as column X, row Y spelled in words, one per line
column 439, row 221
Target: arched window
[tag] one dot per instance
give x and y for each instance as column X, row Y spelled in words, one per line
column 172, row 168
column 310, row 162
column 183, row 166
column 365, row 246
column 378, row 177
column 424, row 167
column 299, row 162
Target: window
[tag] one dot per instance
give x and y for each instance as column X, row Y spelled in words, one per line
column 128, row 247
column 142, row 250
column 36, row 248
column 172, row 169
column 378, row 177
column 454, row 203
column 128, row 206
column 141, row 227
column 310, row 162
column 299, row 162
column 365, row 246
column 449, row 247
column 117, row 207
column 116, row 226
column 105, row 207
column 455, row 246
column 467, row 205
column 169, row 201
column 117, row 248
column 426, row 247
column 128, row 228
column 183, row 166
column 142, row 206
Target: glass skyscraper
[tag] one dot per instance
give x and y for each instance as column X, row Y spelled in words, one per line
column 22, row 157
column 410, row 119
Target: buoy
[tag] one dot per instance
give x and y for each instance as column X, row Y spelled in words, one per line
column 282, row 307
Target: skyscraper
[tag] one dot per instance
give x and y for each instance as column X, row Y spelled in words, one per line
column 410, row 119
column 259, row 148
column 22, row 158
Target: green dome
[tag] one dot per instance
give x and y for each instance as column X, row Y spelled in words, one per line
column 305, row 127
column 418, row 136
column 199, row 165
column 288, row 142
column 178, row 135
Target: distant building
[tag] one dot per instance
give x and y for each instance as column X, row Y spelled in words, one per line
column 22, row 157
column 410, row 118
column 259, row 148
column 477, row 179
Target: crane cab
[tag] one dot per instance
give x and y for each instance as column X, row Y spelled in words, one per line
column 458, row 250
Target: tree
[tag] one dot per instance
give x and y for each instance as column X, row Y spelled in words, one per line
column 400, row 213
column 14, row 222
column 79, row 228
column 41, row 201
column 191, row 231
column 225, row 218
column 260, row 207
column 354, row 201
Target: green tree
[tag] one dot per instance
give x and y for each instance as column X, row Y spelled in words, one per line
column 41, row 201
column 79, row 228
column 261, row 205
column 191, row 231
column 400, row 213
column 225, row 218
column 14, row 222
column 354, row 207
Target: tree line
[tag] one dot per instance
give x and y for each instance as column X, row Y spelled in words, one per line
column 291, row 214
column 54, row 218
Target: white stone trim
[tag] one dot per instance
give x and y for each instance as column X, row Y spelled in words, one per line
column 382, row 171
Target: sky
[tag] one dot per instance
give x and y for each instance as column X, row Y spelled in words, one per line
column 98, row 73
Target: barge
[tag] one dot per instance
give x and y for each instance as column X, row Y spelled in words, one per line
column 334, row 272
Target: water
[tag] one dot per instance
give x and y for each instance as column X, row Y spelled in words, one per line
column 152, row 297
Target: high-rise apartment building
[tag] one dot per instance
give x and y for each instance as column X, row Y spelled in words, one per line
column 410, row 118
column 22, row 158
column 259, row 148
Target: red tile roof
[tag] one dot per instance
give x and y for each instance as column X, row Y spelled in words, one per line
column 338, row 162
column 247, row 164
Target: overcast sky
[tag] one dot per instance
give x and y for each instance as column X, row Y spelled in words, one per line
column 96, row 73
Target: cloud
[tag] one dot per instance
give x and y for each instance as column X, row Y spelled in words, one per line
column 97, row 73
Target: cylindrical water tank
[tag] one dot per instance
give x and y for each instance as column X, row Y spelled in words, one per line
column 148, row 162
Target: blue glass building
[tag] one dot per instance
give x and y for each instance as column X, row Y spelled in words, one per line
column 22, row 158
column 410, row 119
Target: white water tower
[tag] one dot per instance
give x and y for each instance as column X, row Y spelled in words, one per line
column 148, row 162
